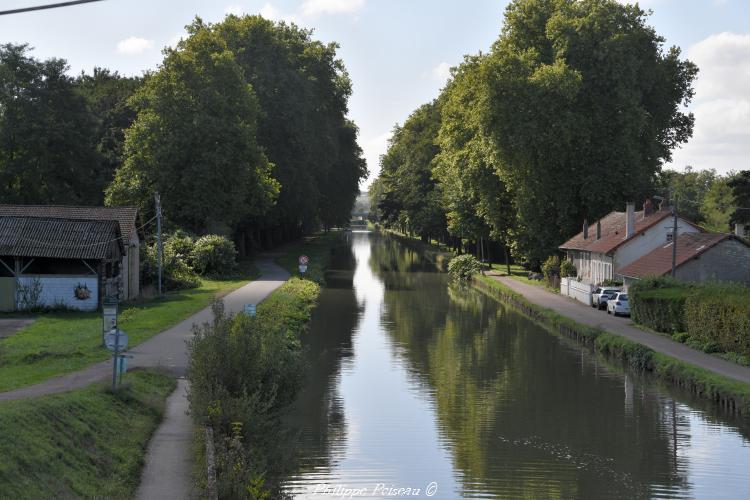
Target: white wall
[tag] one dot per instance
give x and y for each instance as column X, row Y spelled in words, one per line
column 650, row 240
column 592, row 268
column 59, row 290
column 571, row 287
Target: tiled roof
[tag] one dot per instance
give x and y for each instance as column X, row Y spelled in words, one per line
column 613, row 232
column 659, row 261
column 58, row 238
column 125, row 216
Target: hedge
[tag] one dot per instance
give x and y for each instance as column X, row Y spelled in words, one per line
column 718, row 315
column 659, row 303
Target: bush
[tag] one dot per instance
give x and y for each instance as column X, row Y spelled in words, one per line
column 551, row 267
column 176, row 273
column 180, row 244
column 214, row 255
column 463, row 267
column 659, row 303
column 568, row 269
column 718, row 316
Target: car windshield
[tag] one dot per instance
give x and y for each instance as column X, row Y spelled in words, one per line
column 622, row 297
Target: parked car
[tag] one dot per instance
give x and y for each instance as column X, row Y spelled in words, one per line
column 619, row 305
column 601, row 295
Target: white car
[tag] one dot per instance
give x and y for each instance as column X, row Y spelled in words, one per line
column 619, row 305
column 601, row 295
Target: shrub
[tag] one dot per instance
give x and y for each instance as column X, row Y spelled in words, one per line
column 568, row 269
column 463, row 267
column 718, row 316
column 180, row 244
column 176, row 273
column 214, row 255
column 551, row 267
column 659, row 304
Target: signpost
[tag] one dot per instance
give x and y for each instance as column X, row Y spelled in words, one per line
column 109, row 316
column 250, row 309
column 303, row 261
column 116, row 340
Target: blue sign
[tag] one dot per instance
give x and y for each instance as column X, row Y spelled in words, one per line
column 122, row 364
column 250, row 309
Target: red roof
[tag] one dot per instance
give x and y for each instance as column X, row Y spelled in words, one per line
column 613, row 231
column 659, row 261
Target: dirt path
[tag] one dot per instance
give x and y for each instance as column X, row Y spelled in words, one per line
column 624, row 327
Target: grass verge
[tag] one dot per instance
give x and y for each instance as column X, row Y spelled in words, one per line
column 87, row 443
column 730, row 394
column 60, row 343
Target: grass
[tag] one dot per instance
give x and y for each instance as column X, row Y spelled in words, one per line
column 518, row 273
column 87, row 443
column 60, row 343
column 318, row 247
column 729, row 393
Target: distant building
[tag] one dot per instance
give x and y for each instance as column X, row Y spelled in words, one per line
column 126, row 219
column 620, row 238
column 700, row 257
column 52, row 262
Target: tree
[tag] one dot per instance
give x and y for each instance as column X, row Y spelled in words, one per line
column 740, row 185
column 690, row 187
column 585, row 106
column 48, row 153
column 194, row 140
column 718, row 206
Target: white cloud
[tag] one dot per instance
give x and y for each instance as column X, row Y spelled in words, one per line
column 314, row 8
column 237, row 10
column 442, row 71
column 722, row 105
column 134, row 45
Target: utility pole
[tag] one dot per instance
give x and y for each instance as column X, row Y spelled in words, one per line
column 157, row 199
column 674, row 237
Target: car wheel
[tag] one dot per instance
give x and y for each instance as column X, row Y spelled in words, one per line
column 615, row 313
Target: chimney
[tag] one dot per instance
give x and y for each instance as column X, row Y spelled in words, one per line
column 648, row 208
column 585, row 229
column 739, row 230
column 598, row 230
column 629, row 219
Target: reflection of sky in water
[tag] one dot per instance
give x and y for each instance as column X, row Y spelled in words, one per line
column 379, row 401
column 528, row 437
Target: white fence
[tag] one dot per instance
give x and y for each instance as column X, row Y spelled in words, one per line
column 570, row 287
column 58, row 291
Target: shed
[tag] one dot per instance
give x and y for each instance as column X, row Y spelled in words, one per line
column 50, row 262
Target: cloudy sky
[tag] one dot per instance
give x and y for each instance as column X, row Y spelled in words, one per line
column 399, row 52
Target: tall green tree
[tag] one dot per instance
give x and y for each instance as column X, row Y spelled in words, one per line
column 48, row 152
column 585, row 105
column 690, row 187
column 740, row 185
column 194, row 140
column 718, row 205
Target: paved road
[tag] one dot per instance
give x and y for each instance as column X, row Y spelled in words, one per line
column 9, row 326
column 624, row 327
column 167, row 349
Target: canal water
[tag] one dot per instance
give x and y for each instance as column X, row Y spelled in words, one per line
column 417, row 387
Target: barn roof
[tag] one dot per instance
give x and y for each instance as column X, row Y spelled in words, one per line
column 125, row 216
column 58, row 238
column 659, row 262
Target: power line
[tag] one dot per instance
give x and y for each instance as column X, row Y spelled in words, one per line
column 47, row 6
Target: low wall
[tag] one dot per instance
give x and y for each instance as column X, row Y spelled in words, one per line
column 59, row 291
column 582, row 292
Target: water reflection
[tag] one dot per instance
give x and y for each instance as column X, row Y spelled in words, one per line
column 413, row 381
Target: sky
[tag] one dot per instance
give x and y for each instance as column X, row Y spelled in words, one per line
column 399, row 53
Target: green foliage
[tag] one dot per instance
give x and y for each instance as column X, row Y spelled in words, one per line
column 176, row 272
column 87, row 443
column 194, row 141
column 659, row 303
column 242, row 371
column 718, row 206
column 214, row 255
column 568, row 269
column 611, row 282
column 718, row 316
column 740, row 185
column 463, row 267
column 551, row 267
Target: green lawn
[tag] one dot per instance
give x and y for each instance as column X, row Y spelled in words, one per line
column 61, row 343
column 86, row 443
column 518, row 273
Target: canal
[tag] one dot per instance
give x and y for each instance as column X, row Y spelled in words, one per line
column 413, row 383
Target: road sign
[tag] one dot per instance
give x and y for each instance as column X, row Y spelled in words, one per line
column 122, row 364
column 250, row 309
column 302, row 268
column 111, row 336
column 304, row 260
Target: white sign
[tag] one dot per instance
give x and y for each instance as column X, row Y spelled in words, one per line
column 304, row 260
column 122, row 341
column 302, row 268
column 250, row 309
column 109, row 314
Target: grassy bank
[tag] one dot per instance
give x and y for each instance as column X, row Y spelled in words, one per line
column 86, row 443
column 318, row 247
column 729, row 393
column 60, row 343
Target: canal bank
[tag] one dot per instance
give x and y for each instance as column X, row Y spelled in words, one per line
column 412, row 382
